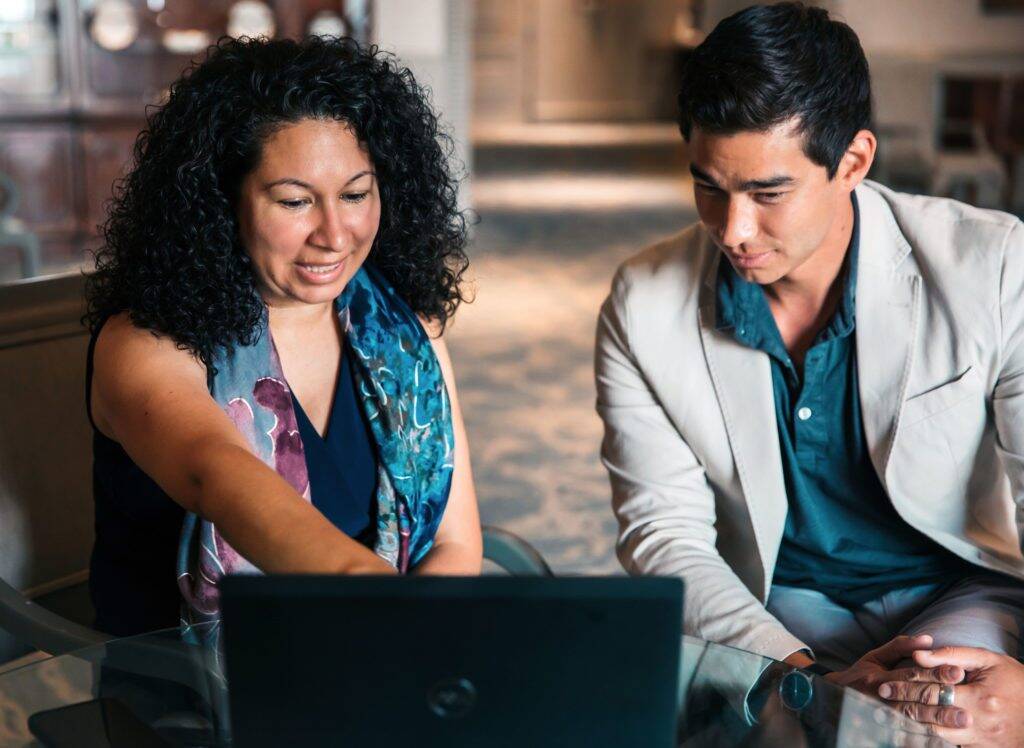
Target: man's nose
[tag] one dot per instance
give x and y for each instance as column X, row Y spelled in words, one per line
column 739, row 223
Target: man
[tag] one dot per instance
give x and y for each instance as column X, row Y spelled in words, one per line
column 814, row 398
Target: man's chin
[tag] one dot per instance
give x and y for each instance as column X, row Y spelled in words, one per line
column 761, row 276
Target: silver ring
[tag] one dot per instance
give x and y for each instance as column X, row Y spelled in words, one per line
column 947, row 695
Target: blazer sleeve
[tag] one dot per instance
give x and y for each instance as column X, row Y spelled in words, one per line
column 1008, row 394
column 664, row 505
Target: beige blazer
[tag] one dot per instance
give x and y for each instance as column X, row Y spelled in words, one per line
column 690, row 436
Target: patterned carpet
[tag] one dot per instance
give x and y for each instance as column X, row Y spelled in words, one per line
column 523, row 354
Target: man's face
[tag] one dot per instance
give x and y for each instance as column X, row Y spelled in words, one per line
column 766, row 205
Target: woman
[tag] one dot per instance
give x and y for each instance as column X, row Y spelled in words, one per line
column 268, row 383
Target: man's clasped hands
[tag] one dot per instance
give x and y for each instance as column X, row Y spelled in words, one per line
column 965, row 695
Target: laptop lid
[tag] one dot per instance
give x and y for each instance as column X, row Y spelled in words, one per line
column 443, row 661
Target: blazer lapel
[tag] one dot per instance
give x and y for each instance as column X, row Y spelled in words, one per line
column 742, row 380
column 888, row 311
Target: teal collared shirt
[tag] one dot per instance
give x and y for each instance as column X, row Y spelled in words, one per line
column 843, row 536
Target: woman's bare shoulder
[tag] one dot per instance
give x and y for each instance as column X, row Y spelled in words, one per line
column 131, row 363
column 121, row 341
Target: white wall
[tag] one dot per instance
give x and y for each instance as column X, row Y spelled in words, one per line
column 930, row 28
column 912, row 44
column 432, row 37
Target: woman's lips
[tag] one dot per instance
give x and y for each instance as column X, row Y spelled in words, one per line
column 321, row 273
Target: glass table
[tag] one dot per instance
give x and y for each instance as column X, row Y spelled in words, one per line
column 727, row 697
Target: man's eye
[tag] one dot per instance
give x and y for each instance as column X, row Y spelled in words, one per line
column 707, row 189
column 769, row 197
column 354, row 197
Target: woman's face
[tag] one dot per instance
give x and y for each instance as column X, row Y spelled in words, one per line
column 309, row 212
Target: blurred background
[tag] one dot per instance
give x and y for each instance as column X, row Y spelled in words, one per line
column 562, row 111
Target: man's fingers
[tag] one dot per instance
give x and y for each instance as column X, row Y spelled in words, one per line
column 968, row 658
column 922, row 693
column 900, row 648
column 942, row 674
column 942, row 716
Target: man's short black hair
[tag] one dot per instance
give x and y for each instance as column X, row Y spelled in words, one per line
column 768, row 64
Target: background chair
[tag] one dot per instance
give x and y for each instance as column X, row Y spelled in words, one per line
column 14, row 233
column 46, row 516
column 513, row 554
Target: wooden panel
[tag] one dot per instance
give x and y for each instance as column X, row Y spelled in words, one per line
column 600, row 59
column 106, row 154
column 139, row 73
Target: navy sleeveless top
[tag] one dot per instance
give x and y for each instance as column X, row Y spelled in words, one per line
column 132, row 572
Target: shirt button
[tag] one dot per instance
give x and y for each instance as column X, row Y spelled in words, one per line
column 804, row 413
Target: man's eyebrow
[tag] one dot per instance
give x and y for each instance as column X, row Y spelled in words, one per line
column 305, row 185
column 751, row 185
column 779, row 180
column 702, row 176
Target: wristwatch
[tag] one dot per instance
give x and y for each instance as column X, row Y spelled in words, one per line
column 796, row 690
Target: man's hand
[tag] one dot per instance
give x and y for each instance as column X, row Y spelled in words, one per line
column 989, row 704
column 876, row 667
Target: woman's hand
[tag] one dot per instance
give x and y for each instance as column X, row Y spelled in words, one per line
column 988, row 704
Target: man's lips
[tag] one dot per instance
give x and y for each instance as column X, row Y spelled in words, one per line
column 749, row 260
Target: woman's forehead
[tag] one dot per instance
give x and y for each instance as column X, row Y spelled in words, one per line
column 313, row 150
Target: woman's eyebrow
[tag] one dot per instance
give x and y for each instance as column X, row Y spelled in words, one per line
column 288, row 180
column 307, row 186
column 363, row 173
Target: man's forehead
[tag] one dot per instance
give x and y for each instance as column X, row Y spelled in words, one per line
column 748, row 156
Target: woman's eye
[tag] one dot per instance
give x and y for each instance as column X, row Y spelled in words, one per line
column 354, row 197
column 293, row 204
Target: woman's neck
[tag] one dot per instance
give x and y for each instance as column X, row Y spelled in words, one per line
column 299, row 319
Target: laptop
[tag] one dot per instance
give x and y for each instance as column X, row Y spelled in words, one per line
column 452, row 661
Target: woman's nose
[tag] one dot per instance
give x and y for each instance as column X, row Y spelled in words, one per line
column 331, row 232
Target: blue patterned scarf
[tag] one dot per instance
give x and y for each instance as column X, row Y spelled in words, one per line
column 402, row 391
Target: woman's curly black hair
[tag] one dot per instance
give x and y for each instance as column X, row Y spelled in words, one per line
column 172, row 257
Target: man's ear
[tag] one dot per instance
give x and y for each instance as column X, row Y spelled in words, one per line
column 857, row 160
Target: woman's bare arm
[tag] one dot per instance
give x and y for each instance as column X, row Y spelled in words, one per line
column 458, row 547
column 152, row 398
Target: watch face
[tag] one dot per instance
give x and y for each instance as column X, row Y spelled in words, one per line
column 796, row 690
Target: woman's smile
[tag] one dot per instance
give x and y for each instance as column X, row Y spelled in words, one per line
column 320, row 273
